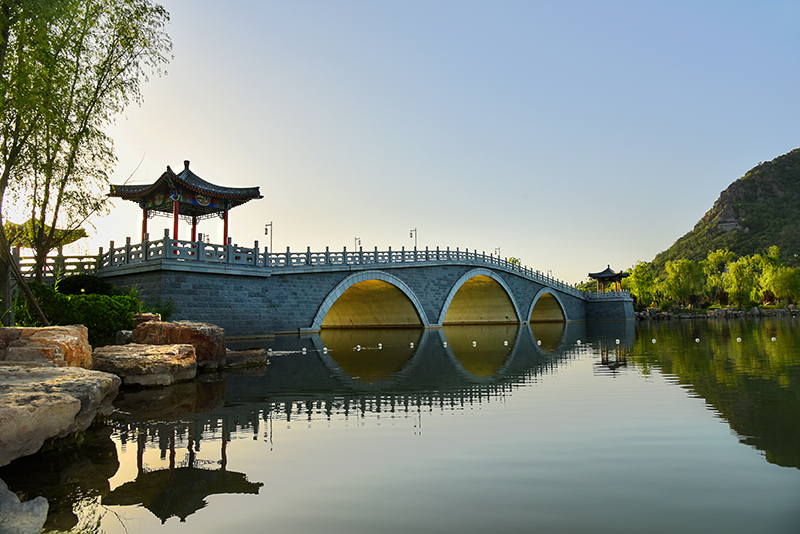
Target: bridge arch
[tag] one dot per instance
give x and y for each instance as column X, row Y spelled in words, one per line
column 547, row 307
column 481, row 287
column 350, row 303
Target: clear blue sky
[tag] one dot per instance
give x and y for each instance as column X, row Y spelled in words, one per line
column 572, row 135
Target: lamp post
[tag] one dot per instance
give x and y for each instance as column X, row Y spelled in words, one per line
column 413, row 233
column 497, row 250
column 357, row 242
column 268, row 231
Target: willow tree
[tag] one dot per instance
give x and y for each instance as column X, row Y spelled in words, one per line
column 67, row 69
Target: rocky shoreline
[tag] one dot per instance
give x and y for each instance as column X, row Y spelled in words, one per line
column 654, row 314
column 53, row 385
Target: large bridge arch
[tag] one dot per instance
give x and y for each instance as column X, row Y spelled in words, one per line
column 547, row 307
column 480, row 283
column 352, row 306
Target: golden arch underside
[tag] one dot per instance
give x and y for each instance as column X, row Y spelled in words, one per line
column 547, row 310
column 480, row 300
column 372, row 303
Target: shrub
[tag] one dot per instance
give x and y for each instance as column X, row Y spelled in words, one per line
column 103, row 315
column 86, row 284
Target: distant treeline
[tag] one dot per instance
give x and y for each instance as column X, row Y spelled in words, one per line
column 721, row 279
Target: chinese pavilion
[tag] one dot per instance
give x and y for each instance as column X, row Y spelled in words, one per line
column 185, row 196
column 608, row 276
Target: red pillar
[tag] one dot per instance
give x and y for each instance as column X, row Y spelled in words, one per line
column 225, row 227
column 144, row 223
column 194, row 228
column 175, row 210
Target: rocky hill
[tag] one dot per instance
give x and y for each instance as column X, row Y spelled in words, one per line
column 758, row 210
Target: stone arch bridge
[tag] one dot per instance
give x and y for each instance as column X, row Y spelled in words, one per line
column 251, row 293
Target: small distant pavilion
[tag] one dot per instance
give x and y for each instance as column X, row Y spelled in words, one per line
column 185, row 196
column 608, row 276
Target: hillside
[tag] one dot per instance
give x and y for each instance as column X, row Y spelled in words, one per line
column 758, row 210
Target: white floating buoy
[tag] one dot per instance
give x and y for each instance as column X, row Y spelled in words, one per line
column 303, row 350
column 579, row 342
column 474, row 343
column 269, row 350
column 505, row 343
column 539, row 341
column 616, row 341
column 324, row 350
column 697, row 340
column 380, row 346
column 411, row 345
column 654, row 340
column 358, row 347
column 773, row 339
column 444, row 344
column 739, row 340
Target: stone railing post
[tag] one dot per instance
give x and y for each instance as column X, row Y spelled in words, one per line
column 146, row 247
column 389, row 258
column 327, row 256
column 344, row 256
column 308, row 255
column 99, row 263
column 110, row 253
column 288, row 257
column 127, row 250
column 256, row 259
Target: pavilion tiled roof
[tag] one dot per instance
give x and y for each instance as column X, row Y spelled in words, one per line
column 186, row 178
column 609, row 274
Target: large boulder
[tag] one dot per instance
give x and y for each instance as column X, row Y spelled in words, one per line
column 39, row 403
column 147, row 365
column 246, row 358
column 208, row 340
column 62, row 346
column 21, row 517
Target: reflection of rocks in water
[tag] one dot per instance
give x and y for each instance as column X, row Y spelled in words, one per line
column 482, row 350
column 550, row 334
column 69, row 477
column 371, row 355
column 203, row 394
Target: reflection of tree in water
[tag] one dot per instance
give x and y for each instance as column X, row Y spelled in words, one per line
column 753, row 383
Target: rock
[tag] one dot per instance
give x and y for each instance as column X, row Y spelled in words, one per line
column 141, row 318
column 60, row 345
column 123, row 337
column 39, row 403
column 244, row 358
column 21, row 517
column 208, row 340
column 147, row 365
column 753, row 311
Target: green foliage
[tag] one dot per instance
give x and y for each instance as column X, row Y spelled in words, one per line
column 641, row 283
column 163, row 307
column 742, row 281
column 103, row 315
column 86, row 284
column 684, row 279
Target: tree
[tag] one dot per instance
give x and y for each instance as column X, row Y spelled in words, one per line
column 642, row 283
column 741, row 280
column 684, row 279
column 714, row 267
column 67, row 69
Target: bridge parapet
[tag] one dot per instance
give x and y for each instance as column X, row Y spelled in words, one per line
column 276, row 262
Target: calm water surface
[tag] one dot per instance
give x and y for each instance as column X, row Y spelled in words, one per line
column 623, row 428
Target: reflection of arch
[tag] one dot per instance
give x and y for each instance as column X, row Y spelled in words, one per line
column 377, row 281
column 492, row 364
column 495, row 314
column 547, row 307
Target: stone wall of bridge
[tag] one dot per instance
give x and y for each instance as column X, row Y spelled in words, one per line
column 251, row 303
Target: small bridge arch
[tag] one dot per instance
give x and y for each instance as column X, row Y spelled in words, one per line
column 370, row 298
column 547, row 307
column 486, row 298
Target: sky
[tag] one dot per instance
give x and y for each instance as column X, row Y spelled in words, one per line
column 569, row 134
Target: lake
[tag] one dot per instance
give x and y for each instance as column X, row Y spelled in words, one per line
column 681, row 426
